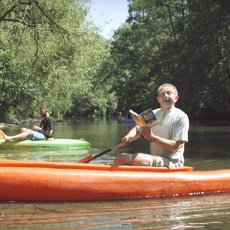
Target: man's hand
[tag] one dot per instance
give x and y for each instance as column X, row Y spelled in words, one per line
column 126, row 139
column 146, row 133
column 131, row 136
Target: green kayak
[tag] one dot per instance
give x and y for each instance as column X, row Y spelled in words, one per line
column 51, row 142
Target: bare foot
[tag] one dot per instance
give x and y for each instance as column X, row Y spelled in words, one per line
column 7, row 139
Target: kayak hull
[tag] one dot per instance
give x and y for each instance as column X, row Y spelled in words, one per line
column 51, row 142
column 50, row 181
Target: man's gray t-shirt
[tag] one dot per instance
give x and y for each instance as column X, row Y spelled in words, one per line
column 174, row 125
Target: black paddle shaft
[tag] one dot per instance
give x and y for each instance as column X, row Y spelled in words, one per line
column 108, row 150
column 102, row 153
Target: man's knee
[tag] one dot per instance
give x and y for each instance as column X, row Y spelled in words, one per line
column 23, row 130
column 123, row 159
column 138, row 159
column 142, row 159
column 29, row 132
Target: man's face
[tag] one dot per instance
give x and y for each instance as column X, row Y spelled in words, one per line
column 167, row 97
column 43, row 112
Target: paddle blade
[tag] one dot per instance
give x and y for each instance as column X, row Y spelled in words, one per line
column 92, row 157
column 86, row 159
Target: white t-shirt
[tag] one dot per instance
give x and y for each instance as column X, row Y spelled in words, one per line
column 174, row 125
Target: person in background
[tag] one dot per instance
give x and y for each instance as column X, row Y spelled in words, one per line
column 167, row 139
column 42, row 132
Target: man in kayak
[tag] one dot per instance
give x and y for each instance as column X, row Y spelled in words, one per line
column 42, row 132
column 167, row 139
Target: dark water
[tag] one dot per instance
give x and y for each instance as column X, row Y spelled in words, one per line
column 208, row 149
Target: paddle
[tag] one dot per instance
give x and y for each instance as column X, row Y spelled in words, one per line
column 92, row 157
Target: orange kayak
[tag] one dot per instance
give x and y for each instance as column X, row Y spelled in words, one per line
column 59, row 181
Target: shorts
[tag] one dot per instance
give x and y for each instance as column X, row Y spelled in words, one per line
column 160, row 161
column 142, row 159
column 38, row 136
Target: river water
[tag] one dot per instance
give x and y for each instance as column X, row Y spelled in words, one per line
column 207, row 149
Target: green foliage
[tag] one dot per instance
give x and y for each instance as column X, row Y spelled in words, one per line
column 49, row 55
column 182, row 42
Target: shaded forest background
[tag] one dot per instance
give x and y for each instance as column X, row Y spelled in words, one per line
column 51, row 54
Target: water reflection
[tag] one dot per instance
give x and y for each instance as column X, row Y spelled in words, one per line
column 202, row 212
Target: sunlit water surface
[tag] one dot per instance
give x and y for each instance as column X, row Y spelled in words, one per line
column 208, row 149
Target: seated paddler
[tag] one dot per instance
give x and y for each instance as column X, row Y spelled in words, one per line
column 167, row 139
column 42, row 132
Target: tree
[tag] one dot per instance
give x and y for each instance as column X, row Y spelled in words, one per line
column 182, row 42
column 49, row 55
